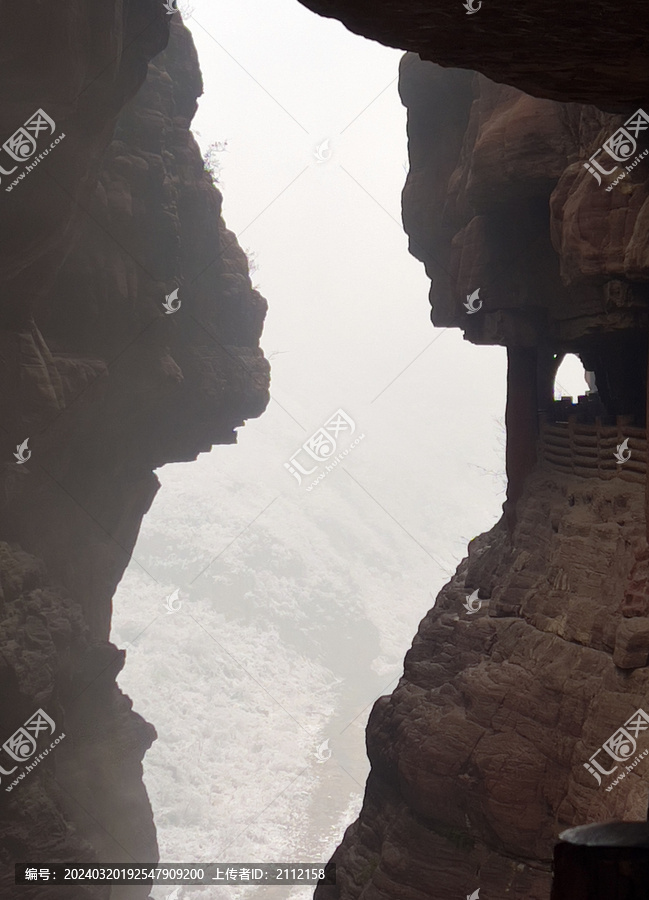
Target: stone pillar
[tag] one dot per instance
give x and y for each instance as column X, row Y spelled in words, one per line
column 602, row 862
column 521, row 420
column 547, row 368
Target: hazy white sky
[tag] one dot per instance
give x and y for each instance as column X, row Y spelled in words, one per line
column 348, row 305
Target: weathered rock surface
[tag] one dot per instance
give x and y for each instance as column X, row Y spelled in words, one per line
column 587, row 51
column 477, row 758
column 497, row 198
column 106, row 386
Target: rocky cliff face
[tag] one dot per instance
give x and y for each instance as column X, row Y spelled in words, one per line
column 588, row 51
column 106, row 385
column 479, row 757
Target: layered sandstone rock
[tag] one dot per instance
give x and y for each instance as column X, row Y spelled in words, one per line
column 498, row 198
column 588, row 51
column 477, row 758
column 106, row 386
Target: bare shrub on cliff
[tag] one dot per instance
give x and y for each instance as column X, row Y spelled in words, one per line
column 211, row 159
column 253, row 264
column 499, row 478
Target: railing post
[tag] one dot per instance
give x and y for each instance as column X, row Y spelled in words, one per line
column 542, row 422
column 602, row 862
column 571, row 441
column 598, row 429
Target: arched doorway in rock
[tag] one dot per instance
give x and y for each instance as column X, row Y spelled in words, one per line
column 571, row 378
column 570, row 389
column 604, row 377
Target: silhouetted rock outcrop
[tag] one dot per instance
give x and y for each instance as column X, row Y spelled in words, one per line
column 106, row 386
column 588, row 51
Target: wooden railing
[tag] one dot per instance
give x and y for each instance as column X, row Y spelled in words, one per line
column 589, row 450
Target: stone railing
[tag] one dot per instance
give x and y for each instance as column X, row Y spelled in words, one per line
column 589, row 450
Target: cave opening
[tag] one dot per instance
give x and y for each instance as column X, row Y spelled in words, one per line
column 603, row 378
column 571, row 379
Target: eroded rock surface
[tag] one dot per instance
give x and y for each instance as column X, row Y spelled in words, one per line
column 106, row 385
column 498, row 198
column 587, row 51
column 477, row 758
